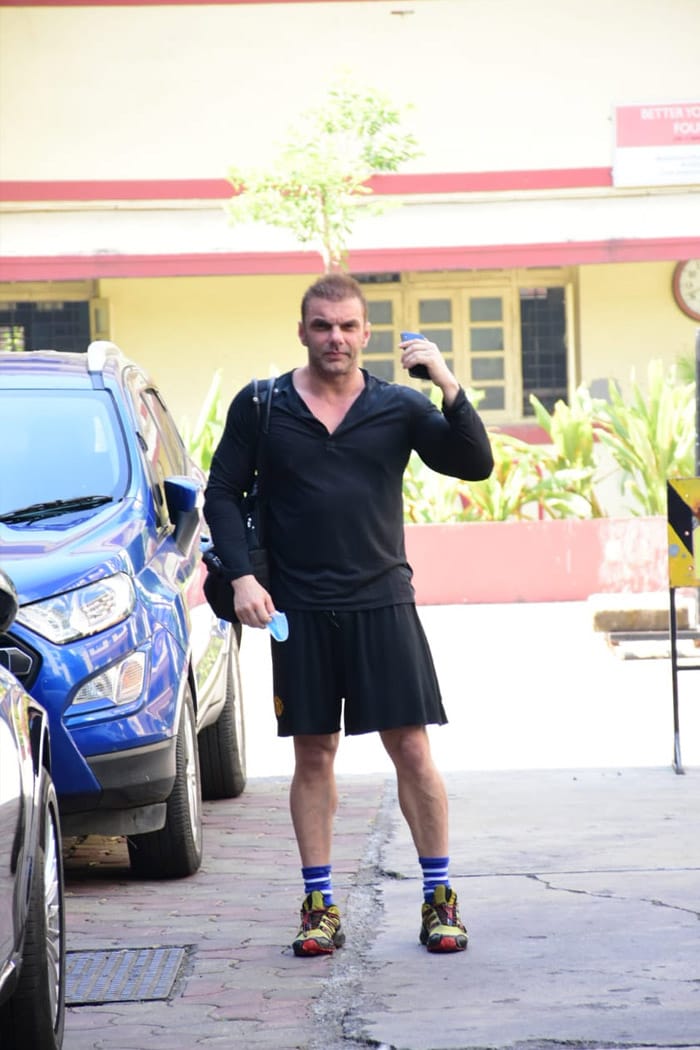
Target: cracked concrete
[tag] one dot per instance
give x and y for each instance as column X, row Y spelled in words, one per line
column 581, row 891
column 349, row 986
column 609, row 895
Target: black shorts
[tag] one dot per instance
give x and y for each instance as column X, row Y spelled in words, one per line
column 378, row 661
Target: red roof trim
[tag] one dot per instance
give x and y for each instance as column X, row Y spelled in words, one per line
column 385, row 185
column 505, row 256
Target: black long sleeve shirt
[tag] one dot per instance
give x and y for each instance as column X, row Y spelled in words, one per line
column 334, row 507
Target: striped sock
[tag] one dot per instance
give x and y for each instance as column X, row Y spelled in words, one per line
column 319, row 878
column 434, row 874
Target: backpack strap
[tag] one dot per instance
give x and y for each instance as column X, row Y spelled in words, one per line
column 268, row 405
column 262, row 427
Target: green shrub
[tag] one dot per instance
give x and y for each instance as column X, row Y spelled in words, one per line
column 651, row 436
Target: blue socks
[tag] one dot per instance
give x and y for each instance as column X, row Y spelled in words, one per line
column 319, row 878
column 434, row 874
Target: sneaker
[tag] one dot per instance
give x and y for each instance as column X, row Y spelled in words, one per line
column 442, row 929
column 320, row 932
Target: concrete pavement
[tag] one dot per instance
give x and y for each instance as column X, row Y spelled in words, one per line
column 582, row 896
column 575, row 851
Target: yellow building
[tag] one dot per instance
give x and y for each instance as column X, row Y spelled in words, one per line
column 536, row 238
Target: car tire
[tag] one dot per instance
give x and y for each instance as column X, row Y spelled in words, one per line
column 222, row 745
column 175, row 851
column 35, row 1014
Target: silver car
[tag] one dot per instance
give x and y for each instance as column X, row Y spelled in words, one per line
column 32, row 930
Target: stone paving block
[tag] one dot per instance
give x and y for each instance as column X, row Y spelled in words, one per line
column 237, row 915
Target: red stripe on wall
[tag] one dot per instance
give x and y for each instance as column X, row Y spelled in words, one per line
column 115, row 189
column 384, row 185
column 492, row 181
column 507, row 256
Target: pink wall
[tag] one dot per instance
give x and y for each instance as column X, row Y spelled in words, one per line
column 537, row 561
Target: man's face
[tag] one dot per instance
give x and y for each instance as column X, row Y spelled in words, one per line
column 334, row 334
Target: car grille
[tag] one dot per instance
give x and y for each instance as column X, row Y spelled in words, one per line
column 18, row 658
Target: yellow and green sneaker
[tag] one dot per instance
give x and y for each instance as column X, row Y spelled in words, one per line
column 320, row 932
column 442, row 930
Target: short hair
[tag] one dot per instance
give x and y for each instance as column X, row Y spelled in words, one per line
column 334, row 287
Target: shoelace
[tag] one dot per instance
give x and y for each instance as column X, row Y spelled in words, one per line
column 319, row 920
column 445, row 914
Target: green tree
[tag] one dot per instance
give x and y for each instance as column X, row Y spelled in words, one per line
column 320, row 175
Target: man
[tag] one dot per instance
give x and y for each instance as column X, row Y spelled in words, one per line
column 338, row 444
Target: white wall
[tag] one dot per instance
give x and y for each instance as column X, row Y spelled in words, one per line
column 184, row 91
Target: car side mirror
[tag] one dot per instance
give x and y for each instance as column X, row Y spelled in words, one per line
column 9, row 602
column 182, row 496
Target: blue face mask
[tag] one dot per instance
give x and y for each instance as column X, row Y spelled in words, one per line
column 278, row 627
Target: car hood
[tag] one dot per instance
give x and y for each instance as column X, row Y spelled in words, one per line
column 60, row 553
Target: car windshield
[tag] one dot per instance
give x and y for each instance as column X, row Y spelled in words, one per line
column 59, row 445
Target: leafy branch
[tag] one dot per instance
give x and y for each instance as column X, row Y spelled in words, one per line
column 321, row 173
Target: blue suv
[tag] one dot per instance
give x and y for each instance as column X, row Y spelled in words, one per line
column 102, row 532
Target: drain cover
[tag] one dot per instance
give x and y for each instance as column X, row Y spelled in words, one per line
column 126, row 975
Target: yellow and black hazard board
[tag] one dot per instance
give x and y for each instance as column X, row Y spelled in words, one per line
column 683, row 512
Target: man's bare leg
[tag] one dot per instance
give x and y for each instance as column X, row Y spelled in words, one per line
column 423, row 801
column 313, row 796
column 313, row 800
column 422, row 794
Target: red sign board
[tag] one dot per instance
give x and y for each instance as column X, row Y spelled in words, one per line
column 657, row 144
column 660, row 125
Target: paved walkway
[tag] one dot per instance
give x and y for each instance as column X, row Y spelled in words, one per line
column 580, row 881
column 242, row 986
column 580, row 889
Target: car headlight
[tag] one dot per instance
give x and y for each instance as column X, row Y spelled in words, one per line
column 80, row 613
column 119, row 684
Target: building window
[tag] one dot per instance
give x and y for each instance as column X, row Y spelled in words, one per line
column 45, row 325
column 436, row 323
column 504, row 336
column 379, row 356
column 543, row 346
column 487, row 350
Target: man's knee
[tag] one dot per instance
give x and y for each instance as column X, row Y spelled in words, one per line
column 315, row 753
column 408, row 748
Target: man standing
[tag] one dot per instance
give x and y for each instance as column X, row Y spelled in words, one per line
column 338, row 445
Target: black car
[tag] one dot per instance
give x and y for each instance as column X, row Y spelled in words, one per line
column 32, row 931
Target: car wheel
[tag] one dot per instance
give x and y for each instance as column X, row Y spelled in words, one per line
column 35, row 1015
column 222, row 745
column 176, row 850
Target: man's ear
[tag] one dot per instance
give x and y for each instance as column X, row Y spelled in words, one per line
column 301, row 333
